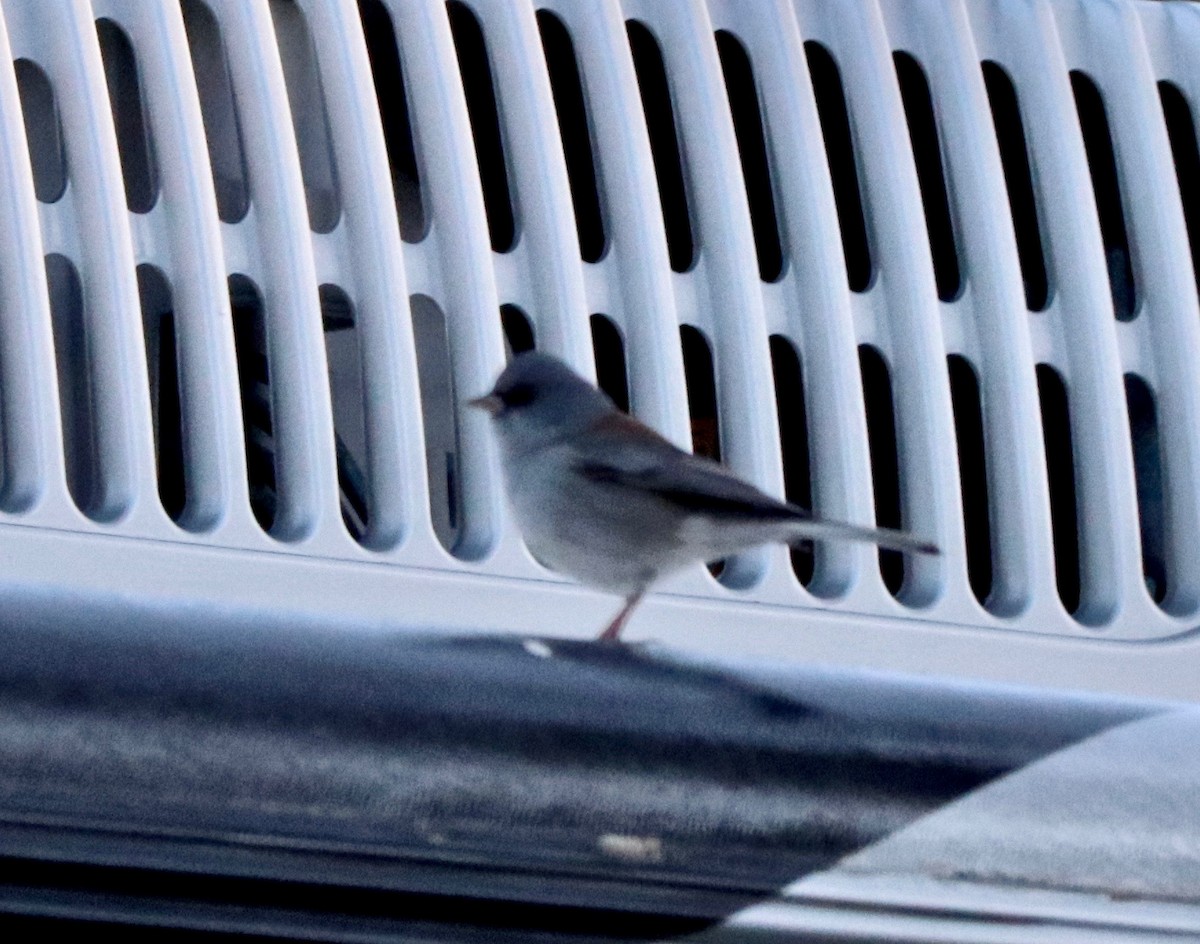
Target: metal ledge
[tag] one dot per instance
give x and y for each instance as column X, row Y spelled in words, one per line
column 384, row 787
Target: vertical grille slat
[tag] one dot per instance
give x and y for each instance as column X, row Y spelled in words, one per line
column 391, row 455
column 547, row 276
column 1078, row 324
column 459, row 255
column 906, row 313
column 989, row 316
column 306, row 476
column 29, row 425
column 1163, row 341
column 188, row 250
column 637, row 264
column 62, row 41
column 1167, row 323
column 815, row 308
column 726, row 274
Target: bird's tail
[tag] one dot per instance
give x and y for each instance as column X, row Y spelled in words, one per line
column 815, row 529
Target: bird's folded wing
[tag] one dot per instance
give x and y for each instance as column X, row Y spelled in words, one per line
column 627, row 455
column 693, row 485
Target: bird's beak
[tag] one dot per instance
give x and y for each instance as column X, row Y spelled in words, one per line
column 489, row 403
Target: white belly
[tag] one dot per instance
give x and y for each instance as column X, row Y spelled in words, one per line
column 575, row 527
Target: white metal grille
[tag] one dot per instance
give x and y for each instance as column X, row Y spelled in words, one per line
column 172, row 317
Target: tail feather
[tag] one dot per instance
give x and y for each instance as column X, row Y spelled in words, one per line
column 815, row 529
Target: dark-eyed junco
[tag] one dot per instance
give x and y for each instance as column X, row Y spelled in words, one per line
column 605, row 499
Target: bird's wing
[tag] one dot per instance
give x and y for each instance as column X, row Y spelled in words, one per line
column 626, row 454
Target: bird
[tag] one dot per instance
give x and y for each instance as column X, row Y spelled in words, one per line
column 603, row 498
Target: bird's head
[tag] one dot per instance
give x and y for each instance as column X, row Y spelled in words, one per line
column 538, row 398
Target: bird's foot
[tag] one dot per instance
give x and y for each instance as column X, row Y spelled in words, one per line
column 612, row 634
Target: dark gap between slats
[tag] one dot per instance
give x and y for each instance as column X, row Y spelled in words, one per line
column 608, row 348
column 254, row 381
column 664, row 144
column 700, row 376
column 43, row 131
column 387, row 71
column 1151, row 492
column 1060, row 473
column 793, row 438
column 166, row 404
column 310, row 120
column 1018, row 178
column 76, row 393
column 218, row 110
column 343, row 357
column 927, row 155
column 135, row 147
column 702, row 392
column 834, row 115
column 574, row 132
column 752, row 148
column 479, row 89
column 1102, row 162
column 885, row 457
column 972, row 474
column 518, row 330
column 440, row 419
column 1181, row 130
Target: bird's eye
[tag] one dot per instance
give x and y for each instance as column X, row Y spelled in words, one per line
column 520, row 395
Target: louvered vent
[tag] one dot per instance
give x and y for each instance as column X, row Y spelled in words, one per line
column 925, row 264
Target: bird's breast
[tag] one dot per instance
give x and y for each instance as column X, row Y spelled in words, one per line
column 601, row 535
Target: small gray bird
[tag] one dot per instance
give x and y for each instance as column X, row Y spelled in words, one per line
column 605, row 499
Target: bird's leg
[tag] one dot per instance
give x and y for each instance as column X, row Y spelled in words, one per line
column 613, row 633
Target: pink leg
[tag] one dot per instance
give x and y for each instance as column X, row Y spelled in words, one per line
column 613, row 633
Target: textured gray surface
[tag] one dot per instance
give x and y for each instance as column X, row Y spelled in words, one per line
column 543, row 774
column 1117, row 814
